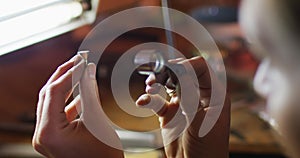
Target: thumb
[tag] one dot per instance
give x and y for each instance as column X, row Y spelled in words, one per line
column 154, row 102
column 93, row 115
column 171, row 119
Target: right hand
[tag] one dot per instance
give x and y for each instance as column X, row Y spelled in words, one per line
column 189, row 145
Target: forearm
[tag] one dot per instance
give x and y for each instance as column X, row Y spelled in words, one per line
column 174, row 149
column 195, row 147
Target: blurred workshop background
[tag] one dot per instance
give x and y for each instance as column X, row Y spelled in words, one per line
column 25, row 69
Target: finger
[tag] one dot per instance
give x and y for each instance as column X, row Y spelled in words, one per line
column 151, row 79
column 155, row 88
column 173, row 124
column 175, row 71
column 39, row 109
column 56, row 93
column 162, row 108
column 93, row 115
column 154, row 102
column 171, row 119
column 35, row 139
column 73, row 109
column 58, row 73
column 201, row 69
column 198, row 65
column 62, row 69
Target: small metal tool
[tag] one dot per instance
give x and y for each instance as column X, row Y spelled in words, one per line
column 152, row 61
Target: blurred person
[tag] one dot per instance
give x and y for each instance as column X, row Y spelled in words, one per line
column 272, row 29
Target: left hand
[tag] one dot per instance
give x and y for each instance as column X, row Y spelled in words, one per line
column 58, row 132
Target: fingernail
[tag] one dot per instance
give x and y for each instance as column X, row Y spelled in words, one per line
column 143, row 100
column 77, row 59
column 150, row 80
column 92, row 71
column 146, row 98
column 154, row 88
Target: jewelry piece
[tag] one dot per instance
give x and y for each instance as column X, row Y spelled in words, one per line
column 204, row 102
column 171, row 92
column 84, row 54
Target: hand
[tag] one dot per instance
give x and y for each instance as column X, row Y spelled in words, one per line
column 58, row 132
column 189, row 144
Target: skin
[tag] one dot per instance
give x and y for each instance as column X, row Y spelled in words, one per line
column 189, row 145
column 58, row 132
column 278, row 48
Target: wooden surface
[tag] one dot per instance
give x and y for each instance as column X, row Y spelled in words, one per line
column 249, row 133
